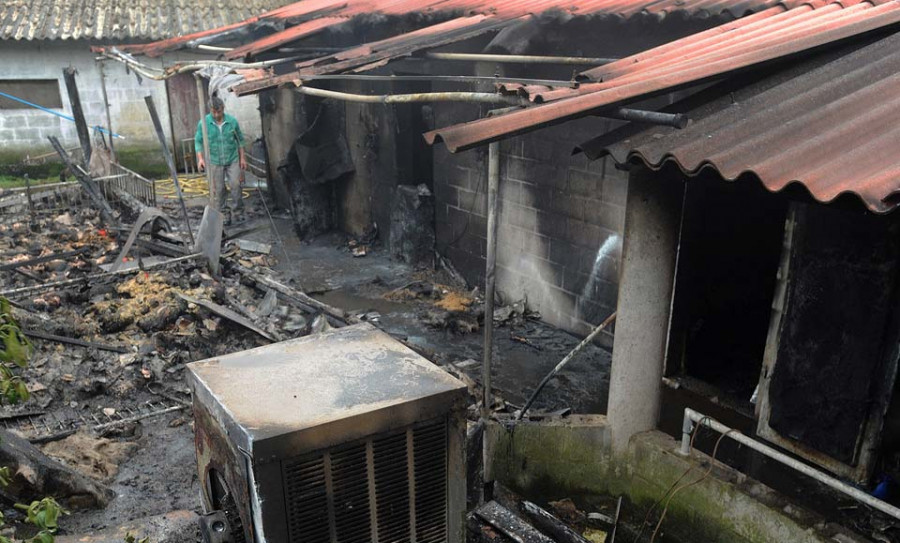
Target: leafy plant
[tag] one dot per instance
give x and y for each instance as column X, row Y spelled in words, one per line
column 131, row 539
column 15, row 351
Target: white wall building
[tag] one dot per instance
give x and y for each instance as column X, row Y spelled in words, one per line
column 38, row 40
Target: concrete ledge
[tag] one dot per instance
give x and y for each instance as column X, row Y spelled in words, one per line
column 572, row 457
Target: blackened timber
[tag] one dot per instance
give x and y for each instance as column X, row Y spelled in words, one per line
column 84, row 136
column 74, row 341
column 90, row 187
column 551, row 525
column 296, row 295
column 170, row 162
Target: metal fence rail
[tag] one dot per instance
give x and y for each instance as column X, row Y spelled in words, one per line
column 133, row 183
column 52, row 198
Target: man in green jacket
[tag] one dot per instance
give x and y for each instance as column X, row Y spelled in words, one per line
column 226, row 155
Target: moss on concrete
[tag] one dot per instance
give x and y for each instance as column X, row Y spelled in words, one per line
column 146, row 159
column 572, row 458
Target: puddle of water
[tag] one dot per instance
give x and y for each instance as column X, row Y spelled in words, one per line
column 349, row 301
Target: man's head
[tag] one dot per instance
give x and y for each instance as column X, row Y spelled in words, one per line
column 217, row 108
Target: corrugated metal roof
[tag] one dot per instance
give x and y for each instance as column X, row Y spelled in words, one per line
column 120, row 19
column 301, row 12
column 705, row 56
column 832, row 127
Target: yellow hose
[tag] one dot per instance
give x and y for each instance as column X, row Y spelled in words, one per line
column 192, row 186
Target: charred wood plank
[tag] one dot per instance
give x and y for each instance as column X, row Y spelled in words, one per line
column 510, row 524
column 226, row 313
column 74, row 341
column 547, row 522
column 84, row 136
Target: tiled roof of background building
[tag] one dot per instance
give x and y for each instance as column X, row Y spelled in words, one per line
column 121, row 19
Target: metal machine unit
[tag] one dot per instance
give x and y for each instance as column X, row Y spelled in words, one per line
column 346, row 436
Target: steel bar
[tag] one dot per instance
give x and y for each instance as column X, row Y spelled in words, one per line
column 90, row 278
column 691, row 417
column 447, row 78
column 171, row 162
column 112, row 147
column 480, row 97
column 487, row 401
column 100, row 428
column 490, row 274
column 84, row 136
column 676, row 120
column 74, row 341
column 565, row 361
column 41, row 259
column 519, row 59
column 201, row 104
column 287, row 257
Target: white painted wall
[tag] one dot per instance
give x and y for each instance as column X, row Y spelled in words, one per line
column 26, row 130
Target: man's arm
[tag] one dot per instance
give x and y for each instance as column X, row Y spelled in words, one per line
column 240, row 141
column 198, row 146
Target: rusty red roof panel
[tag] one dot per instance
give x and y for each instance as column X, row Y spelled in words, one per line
column 743, row 47
column 302, row 12
column 831, row 127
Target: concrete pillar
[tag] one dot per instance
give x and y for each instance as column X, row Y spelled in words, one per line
column 652, row 220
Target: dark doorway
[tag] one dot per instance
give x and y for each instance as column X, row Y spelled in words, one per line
column 728, row 260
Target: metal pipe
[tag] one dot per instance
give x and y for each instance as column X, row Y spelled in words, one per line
column 448, row 78
column 676, row 120
column 214, row 48
column 112, row 147
column 481, row 97
column 493, row 190
column 565, row 361
column 691, row 416
column 519, row 59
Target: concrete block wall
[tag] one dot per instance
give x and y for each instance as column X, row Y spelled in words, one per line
column 561, row 221
column 25, row 131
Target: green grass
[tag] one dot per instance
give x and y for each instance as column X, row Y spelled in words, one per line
column 13, row 181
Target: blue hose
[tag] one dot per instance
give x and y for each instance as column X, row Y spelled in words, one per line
column 58, row 114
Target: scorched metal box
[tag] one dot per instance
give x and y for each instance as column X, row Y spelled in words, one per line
column 345, row 436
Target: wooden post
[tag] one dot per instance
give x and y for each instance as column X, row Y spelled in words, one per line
column 84, row 135
column 109, row 126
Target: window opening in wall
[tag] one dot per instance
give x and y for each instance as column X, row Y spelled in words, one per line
column 43, row 92
column 729, row 253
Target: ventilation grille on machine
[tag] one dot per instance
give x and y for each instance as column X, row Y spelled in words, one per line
column 390, row 488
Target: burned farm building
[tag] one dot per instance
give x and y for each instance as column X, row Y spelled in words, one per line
column 539, row 270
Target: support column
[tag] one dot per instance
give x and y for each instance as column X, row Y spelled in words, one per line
column 652, row 223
